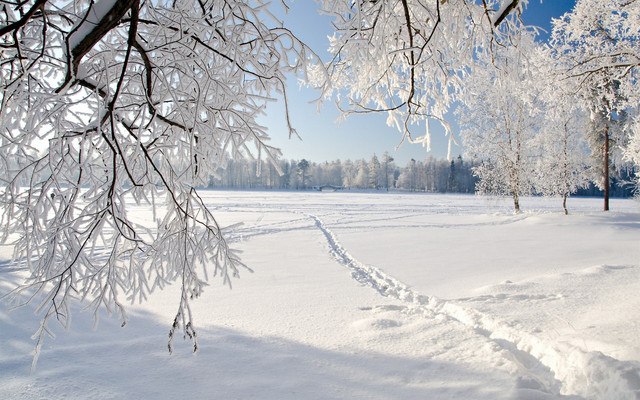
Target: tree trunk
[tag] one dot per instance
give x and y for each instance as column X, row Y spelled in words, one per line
column 606, row 183
column 564, row 203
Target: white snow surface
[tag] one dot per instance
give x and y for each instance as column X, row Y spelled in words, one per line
column 371, row 296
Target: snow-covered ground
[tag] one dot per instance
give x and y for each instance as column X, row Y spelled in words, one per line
column 373, row 296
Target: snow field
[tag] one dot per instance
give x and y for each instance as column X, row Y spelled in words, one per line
column 310, row 322
column 590, row 373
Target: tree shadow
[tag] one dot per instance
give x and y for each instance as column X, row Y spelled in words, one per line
column 133, row 363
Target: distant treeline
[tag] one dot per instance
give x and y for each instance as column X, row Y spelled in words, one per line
column 378, row 173
column 433, row 175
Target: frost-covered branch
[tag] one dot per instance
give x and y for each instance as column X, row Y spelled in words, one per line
column 407, row 58
column 110, row 105
column 503, row 12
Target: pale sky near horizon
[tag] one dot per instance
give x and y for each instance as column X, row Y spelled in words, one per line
column 361, row 136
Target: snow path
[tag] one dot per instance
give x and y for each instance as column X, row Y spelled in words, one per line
column 560, row 368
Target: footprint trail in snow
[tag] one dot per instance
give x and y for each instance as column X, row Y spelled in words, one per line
column 555, row 369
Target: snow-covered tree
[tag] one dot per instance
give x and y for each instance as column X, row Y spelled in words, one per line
column 388, row 170
column 334, row 173
column 407, row 57
column 408, row 176
column 562, row 166
column 500, row 117
column 599, row 41
column 430, row 174
column 303, row 167
column 607, row 137
column 362, row 175
column 294, row 176
column 599, row 45
column 632, row 151
column 109, row 102
column 285, row 168
column 349, row 172
column 465, row 180
column 375, row 173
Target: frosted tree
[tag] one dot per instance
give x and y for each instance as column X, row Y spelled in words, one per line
column 349, row 172
column 607, row 137
column 632, row 151
column 362, row 175
column 285, row 176
column 407, row 57
column 303, row 167
column 110, row 102
column 388, row 168
column 562, row 167
column 599, row 43
column 334, row 173
column 294, row 176
column 500, row 118
column 452, row 184
column 429, row 174
column 408, row 176
column 375, row 173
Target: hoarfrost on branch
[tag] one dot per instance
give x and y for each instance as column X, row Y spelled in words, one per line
column 408, row 57
column 110, row 103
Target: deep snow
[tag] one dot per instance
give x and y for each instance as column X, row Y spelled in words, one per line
column 373, row 296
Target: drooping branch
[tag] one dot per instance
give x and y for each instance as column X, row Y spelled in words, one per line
column 128, row 104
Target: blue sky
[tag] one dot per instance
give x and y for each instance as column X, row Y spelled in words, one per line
column 325, row 139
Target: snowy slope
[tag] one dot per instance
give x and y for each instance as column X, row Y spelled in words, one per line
column 342, row 304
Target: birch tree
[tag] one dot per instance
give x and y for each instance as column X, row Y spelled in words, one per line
column 109, row 102
column 500, row 118
column 563, row 166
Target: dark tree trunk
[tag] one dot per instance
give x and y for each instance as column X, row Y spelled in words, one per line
column 606, row 183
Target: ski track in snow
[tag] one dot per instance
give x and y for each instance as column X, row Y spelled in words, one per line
column 243, row 232
column 560, row 367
